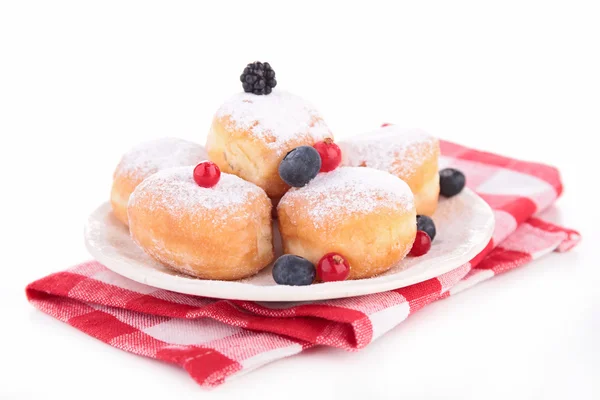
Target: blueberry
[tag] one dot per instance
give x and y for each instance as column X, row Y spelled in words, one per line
column 452, row 182
column 300, row 166
column 293, row 271
column 424, row 223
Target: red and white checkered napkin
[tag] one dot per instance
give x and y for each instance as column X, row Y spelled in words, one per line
column 216, row 339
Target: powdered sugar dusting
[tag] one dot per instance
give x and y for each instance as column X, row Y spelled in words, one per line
column 149, row 157
column 391, row 148
column 175, row 190
column 350, row 190
column 276, row 118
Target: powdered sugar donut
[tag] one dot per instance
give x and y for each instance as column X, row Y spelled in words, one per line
column 364, row 214
column 223, row 232
column 251, row 134
column 410, row 154
column 146, row 159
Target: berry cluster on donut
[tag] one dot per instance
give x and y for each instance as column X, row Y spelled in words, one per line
column 345, row 210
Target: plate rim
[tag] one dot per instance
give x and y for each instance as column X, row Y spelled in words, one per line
column 321, row 291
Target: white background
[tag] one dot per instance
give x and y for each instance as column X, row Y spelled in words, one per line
column 81, row 82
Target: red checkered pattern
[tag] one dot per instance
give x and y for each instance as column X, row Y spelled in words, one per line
column 216, row 339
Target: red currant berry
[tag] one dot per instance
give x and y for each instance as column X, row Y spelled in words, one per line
column 385, row 124
column 331, row 155
column 421, row 245
column 207, row 174
column 332, row 267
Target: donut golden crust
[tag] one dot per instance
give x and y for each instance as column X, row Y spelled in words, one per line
column 364, row 214
column 223, row 232
column 146, row 159
column 251, row 134
column 410, row 154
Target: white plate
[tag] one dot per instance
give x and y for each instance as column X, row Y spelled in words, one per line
column 464, row 225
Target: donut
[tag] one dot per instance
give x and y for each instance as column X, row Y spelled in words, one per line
column 364, row 214
column 223, row 232
column 146, row 159
column 410, row 154
column 251, row 134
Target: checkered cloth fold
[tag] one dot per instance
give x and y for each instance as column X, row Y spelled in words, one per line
column 217, row 339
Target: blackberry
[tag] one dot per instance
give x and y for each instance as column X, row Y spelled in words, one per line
column 258, row 78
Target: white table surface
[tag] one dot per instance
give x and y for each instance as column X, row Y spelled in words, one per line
column 80, row 83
